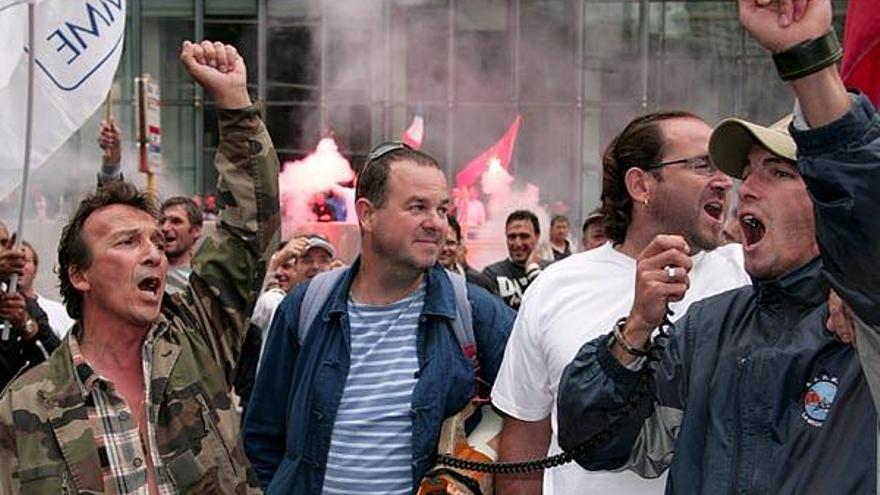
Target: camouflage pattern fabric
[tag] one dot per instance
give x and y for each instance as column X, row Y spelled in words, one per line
column 47, row 443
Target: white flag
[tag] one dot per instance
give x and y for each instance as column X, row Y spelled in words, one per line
column 78, row 44
column 13, row 22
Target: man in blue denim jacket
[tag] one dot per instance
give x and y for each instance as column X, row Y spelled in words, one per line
column 357, row 407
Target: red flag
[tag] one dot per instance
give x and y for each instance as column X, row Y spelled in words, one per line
column 414, row 136
column 501, row 151
column 861, row 48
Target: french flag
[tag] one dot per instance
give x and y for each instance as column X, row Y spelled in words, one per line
column 415, row 134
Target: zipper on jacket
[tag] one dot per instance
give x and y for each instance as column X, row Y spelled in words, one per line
column 741, row 364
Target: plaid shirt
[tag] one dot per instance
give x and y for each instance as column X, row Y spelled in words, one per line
column 117, row 436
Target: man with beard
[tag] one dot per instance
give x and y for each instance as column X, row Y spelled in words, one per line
column 657, row 179
column 181, row 221
column 137, row 398
column 751, row 393
column 357, row 406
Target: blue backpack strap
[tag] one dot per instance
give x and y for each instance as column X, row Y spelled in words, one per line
column 463, row 324
column 316, row 296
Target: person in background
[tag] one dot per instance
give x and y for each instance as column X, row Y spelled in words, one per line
column 181, row 222
column 59, row 320
column 470, row 210
column 337, row 205
column 30, row 338
column 559, row 246
column 513, row 275
column 210, row 208
column 593, row 231
column 297, row 260
column 453, row 256
column 181, row 218
column 320, row 208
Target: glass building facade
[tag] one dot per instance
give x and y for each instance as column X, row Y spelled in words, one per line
column 575, row 70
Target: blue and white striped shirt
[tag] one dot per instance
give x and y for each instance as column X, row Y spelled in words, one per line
column 371, row 444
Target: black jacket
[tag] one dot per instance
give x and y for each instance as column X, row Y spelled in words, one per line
column 752, row 394
column 17, row 354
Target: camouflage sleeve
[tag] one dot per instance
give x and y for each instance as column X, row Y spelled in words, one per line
column 8, row 456
column 232, row 259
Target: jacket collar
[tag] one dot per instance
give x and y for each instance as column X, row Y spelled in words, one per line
column 439, row 296
column 803, row 287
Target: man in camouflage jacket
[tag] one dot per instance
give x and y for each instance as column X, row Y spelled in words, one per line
column 187, row 438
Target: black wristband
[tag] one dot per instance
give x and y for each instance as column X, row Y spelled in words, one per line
column 808, row 57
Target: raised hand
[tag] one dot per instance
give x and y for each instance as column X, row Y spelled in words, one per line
column 781, row 24
column 110, row 140
column 293, row 249
column 219, row 69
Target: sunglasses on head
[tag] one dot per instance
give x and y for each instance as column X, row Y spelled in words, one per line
column 378, row 152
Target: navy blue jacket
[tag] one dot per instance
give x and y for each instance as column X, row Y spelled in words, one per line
column 752, row 394
column 294, row 403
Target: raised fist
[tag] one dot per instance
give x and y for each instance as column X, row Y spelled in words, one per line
column 219, row 69
column 781, row 24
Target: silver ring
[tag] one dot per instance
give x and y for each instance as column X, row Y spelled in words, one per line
column 670, row 272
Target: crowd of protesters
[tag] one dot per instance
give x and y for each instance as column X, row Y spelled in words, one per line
column 681, row 347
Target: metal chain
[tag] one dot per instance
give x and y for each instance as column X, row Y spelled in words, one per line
column 642, row 388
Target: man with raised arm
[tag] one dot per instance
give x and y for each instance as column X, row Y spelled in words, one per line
column 751, row 393
column 136, row 400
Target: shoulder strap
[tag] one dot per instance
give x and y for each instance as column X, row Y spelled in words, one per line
column 317, row 293
column 463, row 324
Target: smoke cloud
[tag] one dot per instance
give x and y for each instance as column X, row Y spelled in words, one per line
column 318, row 172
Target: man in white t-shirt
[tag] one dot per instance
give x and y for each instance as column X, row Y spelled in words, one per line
column 657, row 179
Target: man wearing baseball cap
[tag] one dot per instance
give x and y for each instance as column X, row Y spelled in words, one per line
column 750, row 393
column 298, row 260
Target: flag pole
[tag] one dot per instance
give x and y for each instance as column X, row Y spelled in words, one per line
column 29, row 124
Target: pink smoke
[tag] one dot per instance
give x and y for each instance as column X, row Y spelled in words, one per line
column 321, row 171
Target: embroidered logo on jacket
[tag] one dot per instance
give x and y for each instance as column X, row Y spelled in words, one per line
column 818, row 399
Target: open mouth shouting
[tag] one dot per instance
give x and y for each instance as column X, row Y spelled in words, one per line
column 715, row 210
column 151, row 286
column 753, row 230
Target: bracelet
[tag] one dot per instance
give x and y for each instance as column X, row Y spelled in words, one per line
column 618, row 339
column 808, row 57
